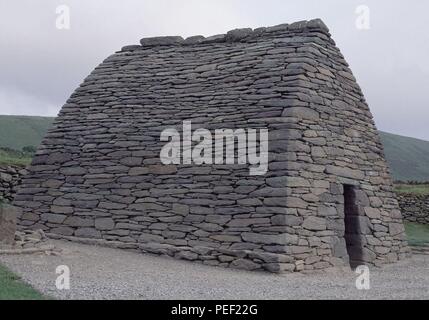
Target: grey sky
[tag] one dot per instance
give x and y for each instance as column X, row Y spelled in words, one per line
column 40, row 66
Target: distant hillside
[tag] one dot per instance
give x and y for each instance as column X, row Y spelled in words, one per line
column 17, row 132
column 408, row 157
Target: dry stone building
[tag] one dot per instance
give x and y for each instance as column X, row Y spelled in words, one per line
column 326, row 199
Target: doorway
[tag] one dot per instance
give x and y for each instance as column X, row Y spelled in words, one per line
column 352, row 233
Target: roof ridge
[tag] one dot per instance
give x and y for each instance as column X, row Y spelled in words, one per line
column 235, row 35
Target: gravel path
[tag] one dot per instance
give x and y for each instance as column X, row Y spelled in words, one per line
column 105, row 273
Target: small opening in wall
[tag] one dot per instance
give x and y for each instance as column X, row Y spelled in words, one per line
column 352, row 228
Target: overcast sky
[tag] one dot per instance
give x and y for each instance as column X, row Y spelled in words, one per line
column 41, row 65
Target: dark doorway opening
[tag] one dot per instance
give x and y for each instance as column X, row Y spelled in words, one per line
column 352, row 234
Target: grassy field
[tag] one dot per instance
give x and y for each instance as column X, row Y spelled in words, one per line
column 13, row 288
column 417, row 234
column 12, row 157
column 420, row 189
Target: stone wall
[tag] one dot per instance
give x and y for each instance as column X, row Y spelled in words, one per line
column 415, row 208
column 10, row 178
column 97, row 173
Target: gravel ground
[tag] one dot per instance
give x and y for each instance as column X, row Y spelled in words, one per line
column 105, row 273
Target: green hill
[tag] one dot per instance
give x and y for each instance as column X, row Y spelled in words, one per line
column 17, row 132
column 408, row 157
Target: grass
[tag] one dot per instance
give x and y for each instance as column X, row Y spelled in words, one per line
column 418, row 189
column 417, row 234
column 12, row 157
column 13, row 288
